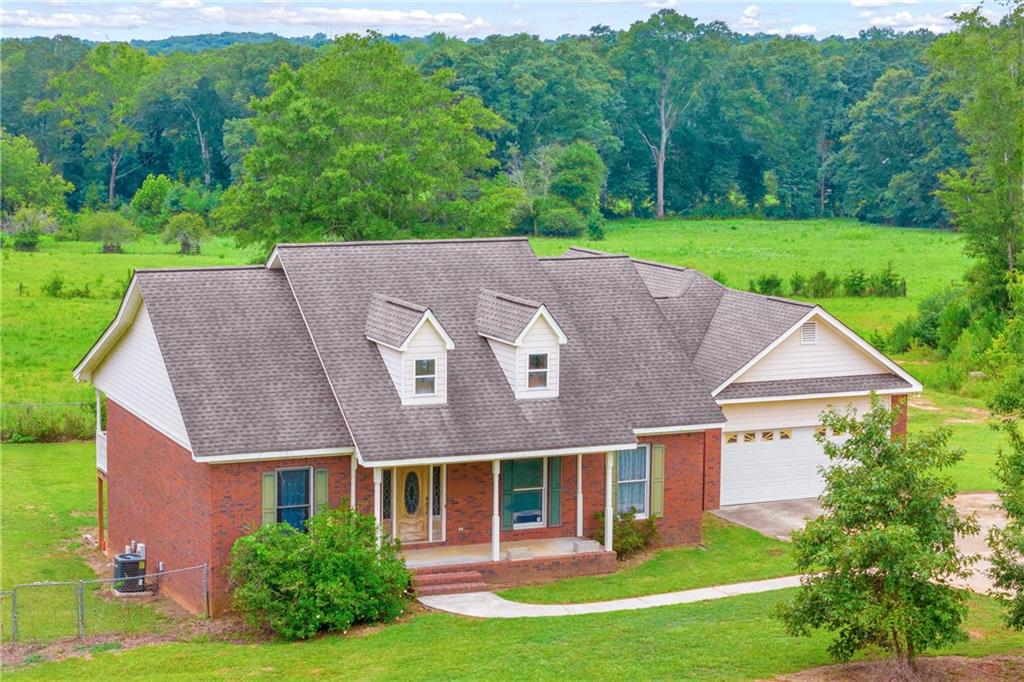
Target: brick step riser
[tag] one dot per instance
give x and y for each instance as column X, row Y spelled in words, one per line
column 447, row 578
column 429, row 590
column 452, row 568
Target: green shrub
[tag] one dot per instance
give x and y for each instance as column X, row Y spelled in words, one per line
column 187, row 229
column 769, row 285
column 855, row 283
column 629, row 535
column 820, row 285
column 109, row 227
column 327, row 579
column 798, row 284
column 720, row 277
column 888, row 283
column 556, row 217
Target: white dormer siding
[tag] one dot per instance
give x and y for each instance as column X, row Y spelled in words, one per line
column 426, row 343
column 538, row 339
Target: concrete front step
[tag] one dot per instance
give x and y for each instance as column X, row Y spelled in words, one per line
column 422, row 579
column 450, row 588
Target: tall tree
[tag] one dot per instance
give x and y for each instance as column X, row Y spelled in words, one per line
column 27, row 181
column 101, row 99
column 357, row 144
column 983, row 65
column 664, row 61
column 880, row 559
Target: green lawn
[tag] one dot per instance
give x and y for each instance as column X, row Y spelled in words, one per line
column 729, row 639
column 49, row 500
column 733, row 554
column 745, row 248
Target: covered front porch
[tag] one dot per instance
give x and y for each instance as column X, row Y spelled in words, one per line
column 516, row 550
column 513, row 509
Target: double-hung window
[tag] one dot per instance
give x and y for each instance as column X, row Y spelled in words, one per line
column 527, row 504
column 426, row 376
column 294, row 496
column 537, row 370
column 633, row 469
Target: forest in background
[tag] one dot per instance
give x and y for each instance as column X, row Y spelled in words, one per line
column 738, row 124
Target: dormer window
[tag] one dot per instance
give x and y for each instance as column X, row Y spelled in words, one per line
column 537, row 372
column 414, row 347
column 526, row 341
column 426, row 376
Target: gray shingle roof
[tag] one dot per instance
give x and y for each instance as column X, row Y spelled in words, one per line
column 391, row 320
column 243, row 367
column 333, row 286
column 503, row 316
column 815, row 386
column 721, row 329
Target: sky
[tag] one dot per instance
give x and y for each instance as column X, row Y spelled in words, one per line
column 149, row 19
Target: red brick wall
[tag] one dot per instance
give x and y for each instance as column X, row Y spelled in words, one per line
column 900, row 428
column 712, row 468
column 158, row 496
column 501, row 574
column 237, row 501
column 684, row 486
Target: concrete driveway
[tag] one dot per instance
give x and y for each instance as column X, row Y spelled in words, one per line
column 780, row 519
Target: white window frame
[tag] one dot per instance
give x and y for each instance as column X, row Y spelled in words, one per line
column 543, row 499
column 647, row 481
column 309, row 492
column 416, row 377
column 546, row 372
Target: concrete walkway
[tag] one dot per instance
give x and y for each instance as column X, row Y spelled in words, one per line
column 490, row 605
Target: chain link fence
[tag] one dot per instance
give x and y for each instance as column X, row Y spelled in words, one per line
column 46, row 611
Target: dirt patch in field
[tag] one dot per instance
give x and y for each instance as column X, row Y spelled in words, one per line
column 919, row 402
column 998, row 668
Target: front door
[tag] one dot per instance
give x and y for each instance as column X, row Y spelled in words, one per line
column 412, row 503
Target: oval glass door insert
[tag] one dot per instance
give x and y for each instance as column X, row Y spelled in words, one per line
column 411, row 492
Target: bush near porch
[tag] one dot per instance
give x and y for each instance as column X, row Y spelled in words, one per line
column 729, row 554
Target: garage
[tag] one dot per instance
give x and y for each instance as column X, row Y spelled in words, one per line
column 765, row 465
column 763, row 461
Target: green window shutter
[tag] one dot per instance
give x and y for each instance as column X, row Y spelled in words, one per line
column 658, row 480
column 555, row 491
column 615, row 482
column 320, row 494
column 269, row 497
column 506, row 494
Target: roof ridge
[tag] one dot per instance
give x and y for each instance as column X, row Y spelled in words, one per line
column 779, row 299
column 450, row 240
column 596, row 256
column 666, row 266
column 200, row 268
column 408, row 305
column 511, row 298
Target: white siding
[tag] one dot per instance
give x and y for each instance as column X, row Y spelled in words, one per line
column 785, row 413
column 134, row 376
column 540, row 338
column 425, row 344
column 832, row 355
column 505, row 354
column 393, row 361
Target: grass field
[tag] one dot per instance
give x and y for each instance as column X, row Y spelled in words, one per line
column 49, row 501
column 731, row 554
column 728, row 639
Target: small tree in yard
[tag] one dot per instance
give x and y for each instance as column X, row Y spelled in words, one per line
column 1007, row 543
column 187, row 229
column 880, row 559
column 329, row 578
column 109, row 227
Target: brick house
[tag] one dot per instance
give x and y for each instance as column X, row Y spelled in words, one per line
column 482, row 403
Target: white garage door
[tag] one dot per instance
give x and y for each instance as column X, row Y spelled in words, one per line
column 771, row 464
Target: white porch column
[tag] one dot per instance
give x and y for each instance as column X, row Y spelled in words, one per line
column 352, row 484
column 609, row 515
column 377, row 476
column 99, row 412
column 496, row 516
column 579, row 496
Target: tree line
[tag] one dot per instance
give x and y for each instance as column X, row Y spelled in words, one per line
column 685, row 117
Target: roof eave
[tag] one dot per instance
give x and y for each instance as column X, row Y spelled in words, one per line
column 126, row 311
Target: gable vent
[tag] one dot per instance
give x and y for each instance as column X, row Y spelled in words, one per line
column 809, row 333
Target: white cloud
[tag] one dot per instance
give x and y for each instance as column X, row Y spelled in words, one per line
column 179, row 4
column 749, row 18
column 905, row 21
column 881, row 3
column 661, row 4
column 70, row 20
column 802, row 30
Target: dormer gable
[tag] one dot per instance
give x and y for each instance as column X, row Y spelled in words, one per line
column 525, row 340
column 414, row 347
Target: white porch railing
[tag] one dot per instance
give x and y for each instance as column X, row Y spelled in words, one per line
column 101, row 451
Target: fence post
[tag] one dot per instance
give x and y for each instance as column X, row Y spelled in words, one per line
column 81, row 609
column 14, row 616
column 206, row 588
